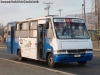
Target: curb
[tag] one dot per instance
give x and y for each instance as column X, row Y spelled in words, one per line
column 3, row 47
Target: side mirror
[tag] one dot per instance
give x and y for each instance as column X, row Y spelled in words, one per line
column 47, row 25
column 49, row 33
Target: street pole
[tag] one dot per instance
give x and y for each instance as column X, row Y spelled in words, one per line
column 84, row 10
column 60, row 11
column 48, row 7
column 2, row 29
column 98, row 20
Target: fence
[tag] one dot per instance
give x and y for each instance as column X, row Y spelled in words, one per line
column 94, row 34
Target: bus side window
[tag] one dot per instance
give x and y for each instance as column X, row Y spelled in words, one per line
column 17, row 26
column 24, row 29
column 17, row 30
column 33, row 29
column 20, row 26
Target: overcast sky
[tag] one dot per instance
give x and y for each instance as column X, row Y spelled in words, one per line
column 15, row 11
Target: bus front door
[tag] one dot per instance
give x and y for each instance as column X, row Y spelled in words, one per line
column 40, row 40
column 12, row 39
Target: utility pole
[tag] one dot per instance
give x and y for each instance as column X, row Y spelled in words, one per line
column 48, row 7
column 2, row 29
column 84, row 10
column 98, row 21
column 60, row 11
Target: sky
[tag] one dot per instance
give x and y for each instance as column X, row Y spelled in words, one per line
column 20, row 11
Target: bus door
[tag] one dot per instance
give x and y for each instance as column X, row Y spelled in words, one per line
column 40, row 41
column 12, row 39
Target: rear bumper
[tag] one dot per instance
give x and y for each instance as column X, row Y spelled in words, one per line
column 71, row 58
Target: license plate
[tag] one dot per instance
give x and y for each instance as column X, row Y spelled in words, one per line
column 77, row 55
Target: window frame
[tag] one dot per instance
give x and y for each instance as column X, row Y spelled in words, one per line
column 33, row 28
column 78, row 30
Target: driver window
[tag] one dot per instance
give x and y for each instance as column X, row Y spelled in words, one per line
column 81, row 30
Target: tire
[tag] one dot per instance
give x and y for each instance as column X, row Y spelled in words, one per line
column 82, row 63
column 51, row 61
column 20, row 57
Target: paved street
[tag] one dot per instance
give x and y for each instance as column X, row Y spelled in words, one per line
column 9, row 65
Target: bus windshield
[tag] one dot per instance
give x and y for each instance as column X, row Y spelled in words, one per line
column 70, row 29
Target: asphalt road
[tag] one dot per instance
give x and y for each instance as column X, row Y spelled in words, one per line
column 9, row 65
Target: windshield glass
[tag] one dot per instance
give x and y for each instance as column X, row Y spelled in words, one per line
column 70, row 29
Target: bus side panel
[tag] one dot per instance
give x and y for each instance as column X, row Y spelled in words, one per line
column 28, row 48
column 8, row 44
column 15, row 45
column 47, row 47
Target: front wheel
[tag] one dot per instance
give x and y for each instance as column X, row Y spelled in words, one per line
column 82, row 63
column 51, row 61
column 20, row 57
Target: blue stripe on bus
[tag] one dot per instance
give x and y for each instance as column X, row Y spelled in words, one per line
column 67, row 58
column 47, row 47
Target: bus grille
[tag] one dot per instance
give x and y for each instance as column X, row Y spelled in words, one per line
column 77, row 51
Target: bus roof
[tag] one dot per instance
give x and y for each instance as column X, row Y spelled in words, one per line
column 12, row 22
column 53, row 17
column 47, row 17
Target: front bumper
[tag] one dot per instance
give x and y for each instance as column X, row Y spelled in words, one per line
column 70, row 58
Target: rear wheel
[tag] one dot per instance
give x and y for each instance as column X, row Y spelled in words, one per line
column 82, row 63
column 51, row 61
column 20, row 57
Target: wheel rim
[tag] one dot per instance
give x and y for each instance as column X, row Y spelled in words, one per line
column 51, row 60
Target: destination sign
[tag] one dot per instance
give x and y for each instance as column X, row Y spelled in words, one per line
column 69, row 20
column 59, row 20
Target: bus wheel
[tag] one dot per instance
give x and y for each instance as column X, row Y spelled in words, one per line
column 82, row 63
column 51, row 61
column 20, row 57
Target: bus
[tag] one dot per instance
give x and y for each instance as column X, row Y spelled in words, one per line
column 51, row 39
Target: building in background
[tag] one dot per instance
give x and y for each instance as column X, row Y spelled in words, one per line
column 0, row 32
column 5, row 31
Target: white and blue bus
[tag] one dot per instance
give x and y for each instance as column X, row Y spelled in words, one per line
column 50, row 39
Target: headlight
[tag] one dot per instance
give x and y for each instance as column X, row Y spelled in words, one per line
column 60, row 51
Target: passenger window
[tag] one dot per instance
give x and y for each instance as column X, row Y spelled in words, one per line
column 33, row 29
column 33, row 25
column 17, row 27
column 25, row 26
column 20, row 26
column 23, row 32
